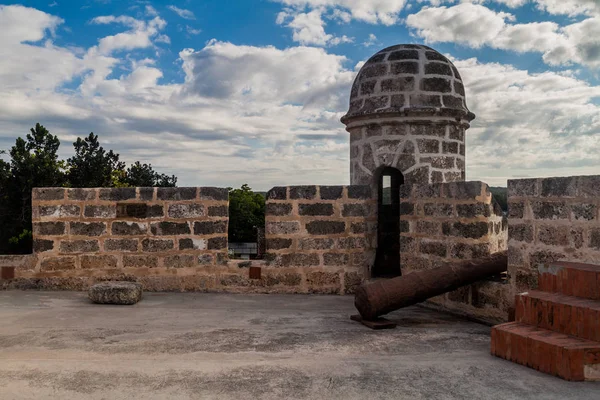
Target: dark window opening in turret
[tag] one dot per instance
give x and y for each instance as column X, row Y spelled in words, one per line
column 387, row 260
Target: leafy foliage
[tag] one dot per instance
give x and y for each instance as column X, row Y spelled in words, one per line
column 143, row 175
column 92, row 166
column 246, row 213
column 500, row 195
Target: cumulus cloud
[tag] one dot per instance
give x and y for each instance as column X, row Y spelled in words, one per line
column 476, row 26
column 309, row 28
column 371, row 40
column 569, row 7
column 182, row 12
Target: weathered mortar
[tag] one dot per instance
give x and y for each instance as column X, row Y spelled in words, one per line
column 551, row 219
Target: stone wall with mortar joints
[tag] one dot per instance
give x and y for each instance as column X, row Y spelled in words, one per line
column 551, row 219
column 425, row 151
column 122, row 228
column 326, row 232
column 451, row 222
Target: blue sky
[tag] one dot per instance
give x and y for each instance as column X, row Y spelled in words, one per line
column 226, row 93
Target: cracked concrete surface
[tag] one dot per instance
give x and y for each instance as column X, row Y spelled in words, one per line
column 57, row 345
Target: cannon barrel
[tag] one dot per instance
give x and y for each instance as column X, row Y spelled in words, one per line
column 384, row 296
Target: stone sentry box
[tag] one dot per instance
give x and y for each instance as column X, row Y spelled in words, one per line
column 451, row 222
column 326, row 232
column 91, row 229
column 551, row 219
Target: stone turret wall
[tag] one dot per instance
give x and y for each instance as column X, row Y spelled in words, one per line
column 326, row 232
column 551, row 219
column 452, row 222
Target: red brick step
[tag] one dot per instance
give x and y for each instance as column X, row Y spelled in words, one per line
column 551, row 352
column 560, row 313
column 571, row 279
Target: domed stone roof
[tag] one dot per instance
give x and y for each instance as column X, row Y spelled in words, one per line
column 409, row 79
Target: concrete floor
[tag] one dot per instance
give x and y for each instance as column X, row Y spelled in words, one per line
column 217, row 346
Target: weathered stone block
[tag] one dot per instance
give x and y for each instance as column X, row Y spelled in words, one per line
column 352, row 243
column 437, row 177
column 210, row 227
column 336, row 259
column 81, row 194
column 358, row 227
column 559, row 187
column 408, row 67
column 404, row 55
column 182, row 193
column 147, row 193
column 463, row 190
column 438, row 209
column 48, row 228
column 278, row 209
column 277, row 193
column 121, row 228
column 473, row 210
column 428, row 145
column 402, row 84
column 218, row 211
column 583, row 212
column 444, row 162
column 450, row 147
column 180, row 261
column 115, row 292
column 57, row 263
column 42, row 245
column 550, row 210
column 356, row 210
column 404, row 226
column 316, row 244
column 325, row 227
column 455, row 132
column 121, row 245
column 522, row 187
column 278, row 244
column 466, row 251
column 430, row 228
column 516, row 209
column 473, row 230
column 300, row 260
column 434, row 248
column 553, row 235
column 217, row 243
column 117, row 194
column 407, row 244
column 352, row 280
column 165, row 228
column 98, row 261
column 140, row 261
column 282, row 228
column 544, row 257
column 303, row 192
column 359, row 192
column 407, row 208
column 214, row 193
column 132, row 210
column 48, row 193
column 87, row 228
column 100, row 211
column 205, row 259
column 59, row 211
column 79, row 246
column 595, row 239
column 436, row 85
column 520, row 232
column 155, row 245
column 192, row 244
column 588, row 186
column 315, row 209
column 187, row 210
column 331, row 192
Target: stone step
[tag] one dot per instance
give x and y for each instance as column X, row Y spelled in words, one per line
column 557, row 312
column 554, row 353
column 571, row 279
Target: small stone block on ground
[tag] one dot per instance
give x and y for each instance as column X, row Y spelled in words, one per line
column 379, row 323
column 116, row 292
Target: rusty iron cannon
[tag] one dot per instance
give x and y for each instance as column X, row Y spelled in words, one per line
column 379, row 298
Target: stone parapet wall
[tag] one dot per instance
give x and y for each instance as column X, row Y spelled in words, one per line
column 452, row 222
column 119, row 228
column 551, row 219
column 327, row 232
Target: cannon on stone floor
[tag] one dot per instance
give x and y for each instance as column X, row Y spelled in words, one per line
column 384, row 296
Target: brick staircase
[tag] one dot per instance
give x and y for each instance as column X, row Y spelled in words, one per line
column 557, row 327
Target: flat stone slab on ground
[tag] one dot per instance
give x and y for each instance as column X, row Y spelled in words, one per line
column 116, row 292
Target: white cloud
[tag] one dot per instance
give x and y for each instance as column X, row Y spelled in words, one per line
column 23, row 24
column 150, row 11
column 309, row 28
column 476, row 26
column 371, row 11
column 371, row 41
column 140, row 35
column 569, row 7
column 192, row 31
column 183, row 13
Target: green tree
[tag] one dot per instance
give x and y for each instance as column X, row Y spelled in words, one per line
column 246, row 213
column 499, row 194
column 33, row 163
column 143, row 175
column 92, row 166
